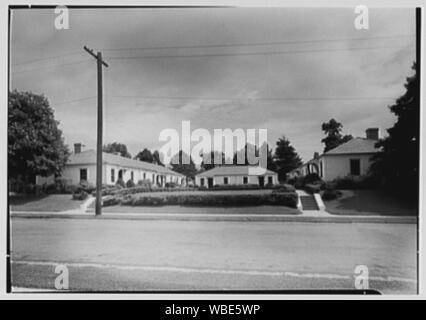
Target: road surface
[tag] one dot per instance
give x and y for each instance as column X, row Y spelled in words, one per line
column 137, row 255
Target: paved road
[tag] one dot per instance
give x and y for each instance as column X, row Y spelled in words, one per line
column 208, row 255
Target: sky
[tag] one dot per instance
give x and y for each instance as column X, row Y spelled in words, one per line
column 280, row 69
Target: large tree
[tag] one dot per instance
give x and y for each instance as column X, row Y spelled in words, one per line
column 334, row 137
column 145, row 155
column 286, row 158
column 209, row 158
column 35, row 143
column 116, row 147
column 156, row 158
column 182, row 163
column 397, row 164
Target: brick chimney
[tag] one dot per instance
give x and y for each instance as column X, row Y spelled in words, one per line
column 316, row 155
column 77, row 148
column 372, row 133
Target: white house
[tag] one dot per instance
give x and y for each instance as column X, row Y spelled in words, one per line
column 81, row 165
column 352, row 158
column 231, row 174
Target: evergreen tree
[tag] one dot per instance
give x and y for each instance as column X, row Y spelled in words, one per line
column 286, row 158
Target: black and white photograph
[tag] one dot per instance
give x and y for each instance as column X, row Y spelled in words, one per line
column 213, row 150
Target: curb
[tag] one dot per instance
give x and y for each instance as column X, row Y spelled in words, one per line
column 217, row 217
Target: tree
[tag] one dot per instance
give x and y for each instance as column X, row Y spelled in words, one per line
column 209, row 158
column 118, row 148
column 397, row 164
column 35, row 143
column 286, row 158
column 182, row 163
column 145, row 155
column 334, row 137
column 156, row 158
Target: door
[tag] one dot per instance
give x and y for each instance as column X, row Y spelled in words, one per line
column 210, row 182
column 261, row 181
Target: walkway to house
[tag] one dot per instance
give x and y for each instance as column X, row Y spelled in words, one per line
column 309, row 206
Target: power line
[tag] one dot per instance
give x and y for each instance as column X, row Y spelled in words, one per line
column 73, row 53
column 72, row 101
column 48, row 67
column 251, row 99
column 256, row 44
column 252, row 53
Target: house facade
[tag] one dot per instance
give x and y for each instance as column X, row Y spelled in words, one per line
column 236, row 175
column 352, row 158
column 81, row 166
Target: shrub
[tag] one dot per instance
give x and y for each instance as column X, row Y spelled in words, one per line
column 250, row 186
column 329, row 194
column 120, row 182
column 130, row 184
column 110, row 201
column 278, row 199
column 85, row 186
column 170, row 185
column 145, row 182
column 312, row 188
column 80, row 195
column 311, row 178
column 283, row 188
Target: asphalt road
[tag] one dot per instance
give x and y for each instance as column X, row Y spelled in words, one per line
column 136, row 255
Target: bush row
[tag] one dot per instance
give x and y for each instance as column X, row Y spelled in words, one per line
column 275, row 199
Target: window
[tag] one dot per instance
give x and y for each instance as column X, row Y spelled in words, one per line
column 225, row 180
column 245, row 180
column 132, row 175
column 202, row 182
column 144, row 175
column 83, row 174
column 355, row 167
column 112, row 175
column 270, row 181
column 153, row 178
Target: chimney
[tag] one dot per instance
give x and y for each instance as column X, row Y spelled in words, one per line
column 77, row 148
column 372, row 133
column 316, row 155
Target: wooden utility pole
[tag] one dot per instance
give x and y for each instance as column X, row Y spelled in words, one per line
column 100, row 62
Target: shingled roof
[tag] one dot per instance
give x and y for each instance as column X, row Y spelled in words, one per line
column 89, row 157
column 232, row 170
column 355, row 145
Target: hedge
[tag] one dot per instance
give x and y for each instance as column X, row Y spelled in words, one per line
column 312, row 188
column 212, row 200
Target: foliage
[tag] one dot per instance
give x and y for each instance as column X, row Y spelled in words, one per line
column 209, row 159
column 286, row 158
column 214, row 200
column 145, row 155
column 120, row 182
column 331, row 194
column 312, row 188
column 182, row 163
column 398, row 161
column 80, row 195
column 35, row 143
column 130, row 184
column 334, row 137
column 283, row 188
column 156, row 158
column 118, row 148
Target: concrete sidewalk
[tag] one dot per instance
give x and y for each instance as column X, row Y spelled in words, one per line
column 307, row 216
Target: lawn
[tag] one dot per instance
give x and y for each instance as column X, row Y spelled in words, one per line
column 369, row 202
column 45, row 203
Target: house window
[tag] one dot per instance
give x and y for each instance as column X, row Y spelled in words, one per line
column 225, row 180
column 153, row 178
column 83, row 174
column 144, row 175
column 321, row 169
column 245, row 180
column 132, row 175
column 355, row 167
column 202, row 182
column 270, row 181
column 112, row 175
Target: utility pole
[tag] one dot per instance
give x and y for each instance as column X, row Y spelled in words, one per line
column 100, row 62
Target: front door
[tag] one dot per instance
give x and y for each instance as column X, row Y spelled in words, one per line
column 261, row 181
column 210, row 182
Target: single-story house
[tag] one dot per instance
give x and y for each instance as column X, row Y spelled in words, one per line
column 232, row 174
column 81, row 166
column 352, row 158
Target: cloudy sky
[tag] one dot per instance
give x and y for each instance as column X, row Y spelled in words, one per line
column 286, row 70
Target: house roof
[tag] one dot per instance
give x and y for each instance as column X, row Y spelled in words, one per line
column 89, row 157
column 356, row 146
column 233, row 170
